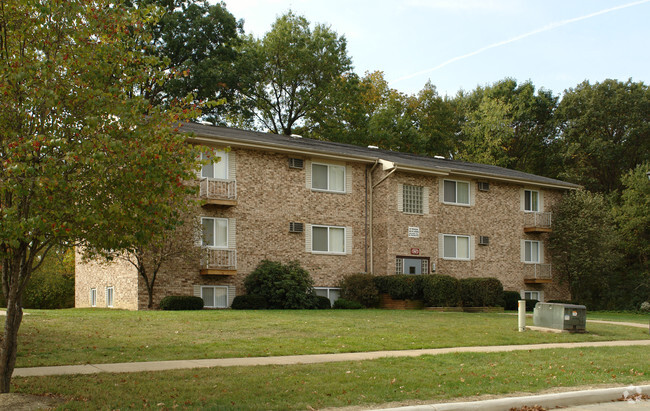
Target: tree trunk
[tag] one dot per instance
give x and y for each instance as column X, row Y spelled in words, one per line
column 10, row 339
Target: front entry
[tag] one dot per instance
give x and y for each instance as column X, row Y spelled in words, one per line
column 411, row 265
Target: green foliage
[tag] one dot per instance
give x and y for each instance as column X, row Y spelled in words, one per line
column 511, row 300
column 322, row 303
column 481, row 292
column 583, row 247
column 440, row 291
column 181, row 302
column 530, row 305
column 249, row 302
column 344, row 304
column 284, row 286
column 400, row 286
column 360, row 288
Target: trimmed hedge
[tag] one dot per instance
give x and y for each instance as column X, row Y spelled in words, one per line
column 283, row 286
column 511, row 300
column 530, row 305
column 440, row 291
column 400, row 286
column 249, row 302
column 360, row 288
column 322, row 303
column 481, row 292
column 181, row 302
column 343, row 304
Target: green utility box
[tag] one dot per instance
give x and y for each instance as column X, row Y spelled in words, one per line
column 567, row 317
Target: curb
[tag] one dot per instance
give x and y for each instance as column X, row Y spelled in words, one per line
column 565, row 399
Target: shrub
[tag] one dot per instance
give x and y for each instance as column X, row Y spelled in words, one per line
column 400, row 286
column 322, row 303
column 563, row 302
column 282, row 285
column 360, row 288
column 481, row 292
column 440, row 291
column 181, row 302
column 249, row 302
column 530, row 305
column 511, row 300
column 344, row 304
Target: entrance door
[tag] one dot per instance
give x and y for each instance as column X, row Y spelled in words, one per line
column 412, row 266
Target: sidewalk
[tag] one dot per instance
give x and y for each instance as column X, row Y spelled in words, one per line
column 296, row 359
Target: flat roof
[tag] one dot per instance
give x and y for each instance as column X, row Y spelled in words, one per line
column 208, row 134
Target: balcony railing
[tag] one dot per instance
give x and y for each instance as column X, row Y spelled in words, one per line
column 538, row 273
column 537, row 222
column 219, row 259
column 212, row 189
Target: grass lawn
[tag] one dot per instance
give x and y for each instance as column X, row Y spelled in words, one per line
column 624, row 317
column 365, row 383
column 79, row 336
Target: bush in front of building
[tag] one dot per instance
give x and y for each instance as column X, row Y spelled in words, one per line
column 360, row 288
column 181, row 302
column 440, row 291
column 249, row 302
column 283, row 286
column 343, row 304
column 322, row 303
column 481, row 292
column 400, row 286
column 511, row 300
column 530, row 305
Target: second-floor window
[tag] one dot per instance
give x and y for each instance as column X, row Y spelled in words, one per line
column 412, row 199
column 531, row 200
column 214, row 232
column 328, row 177
column 328, row 239
column 531, row 251
column 456, row 192
column 217, row 166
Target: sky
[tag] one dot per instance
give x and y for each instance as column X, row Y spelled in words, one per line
column 462, row 44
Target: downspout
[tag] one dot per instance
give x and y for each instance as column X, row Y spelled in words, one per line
column 369, row 217
column 372, row 187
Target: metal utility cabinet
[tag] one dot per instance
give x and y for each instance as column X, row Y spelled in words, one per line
column 567, row 317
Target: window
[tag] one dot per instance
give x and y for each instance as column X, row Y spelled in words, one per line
column 531, row 251
column 109, row 296
column 93, row 297
column 214, row 296
column 533, row 295
column 456, row 247
column 218, row 170
column 328, row 177
column 328, row 239
column 531, row 200
column 456, row 192
column 332, row 293
column 410, row 265
column 215, row 232
column 412, row 199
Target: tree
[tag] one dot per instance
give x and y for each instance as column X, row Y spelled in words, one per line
column 605, row 131
column 84, row 157
column 437, row 122
column 291, row 72
column 583, row 247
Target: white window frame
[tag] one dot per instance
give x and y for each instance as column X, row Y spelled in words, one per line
column 329, row 227
column 328, row 290
column 539, row 252
column 110, row 300
column 531, row 200
column 328, row 190
column 214, row 287
column 456, row 236
column 93, row 297
column 223, row 155
column 215, row 233
column 469, row 192
column 531, row 292
column 411, row 209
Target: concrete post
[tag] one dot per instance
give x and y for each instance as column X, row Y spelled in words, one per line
column 522, row 315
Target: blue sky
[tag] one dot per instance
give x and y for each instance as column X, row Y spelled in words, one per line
column 459, row 44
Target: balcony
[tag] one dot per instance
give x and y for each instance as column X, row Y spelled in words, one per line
column 218, row 192
column 216, row 261
column 537, row 273
column 535, row 222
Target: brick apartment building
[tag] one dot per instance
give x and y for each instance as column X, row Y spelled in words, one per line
column 341, row 209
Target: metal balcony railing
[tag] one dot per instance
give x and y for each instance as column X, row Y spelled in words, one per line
column 537, row 219
column 219, row 259
column 537, row 272
column 213, row 189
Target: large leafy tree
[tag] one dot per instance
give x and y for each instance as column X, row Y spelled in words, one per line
column 437, row 122
column 84, row 157
column 291, row 72
column 605, row 131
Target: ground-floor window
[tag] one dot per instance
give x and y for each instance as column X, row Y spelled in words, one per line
column 332, row 293
column 93, row 297
column 109, row 296
column 412, row 265
column 214, row 296
column 533, row 295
